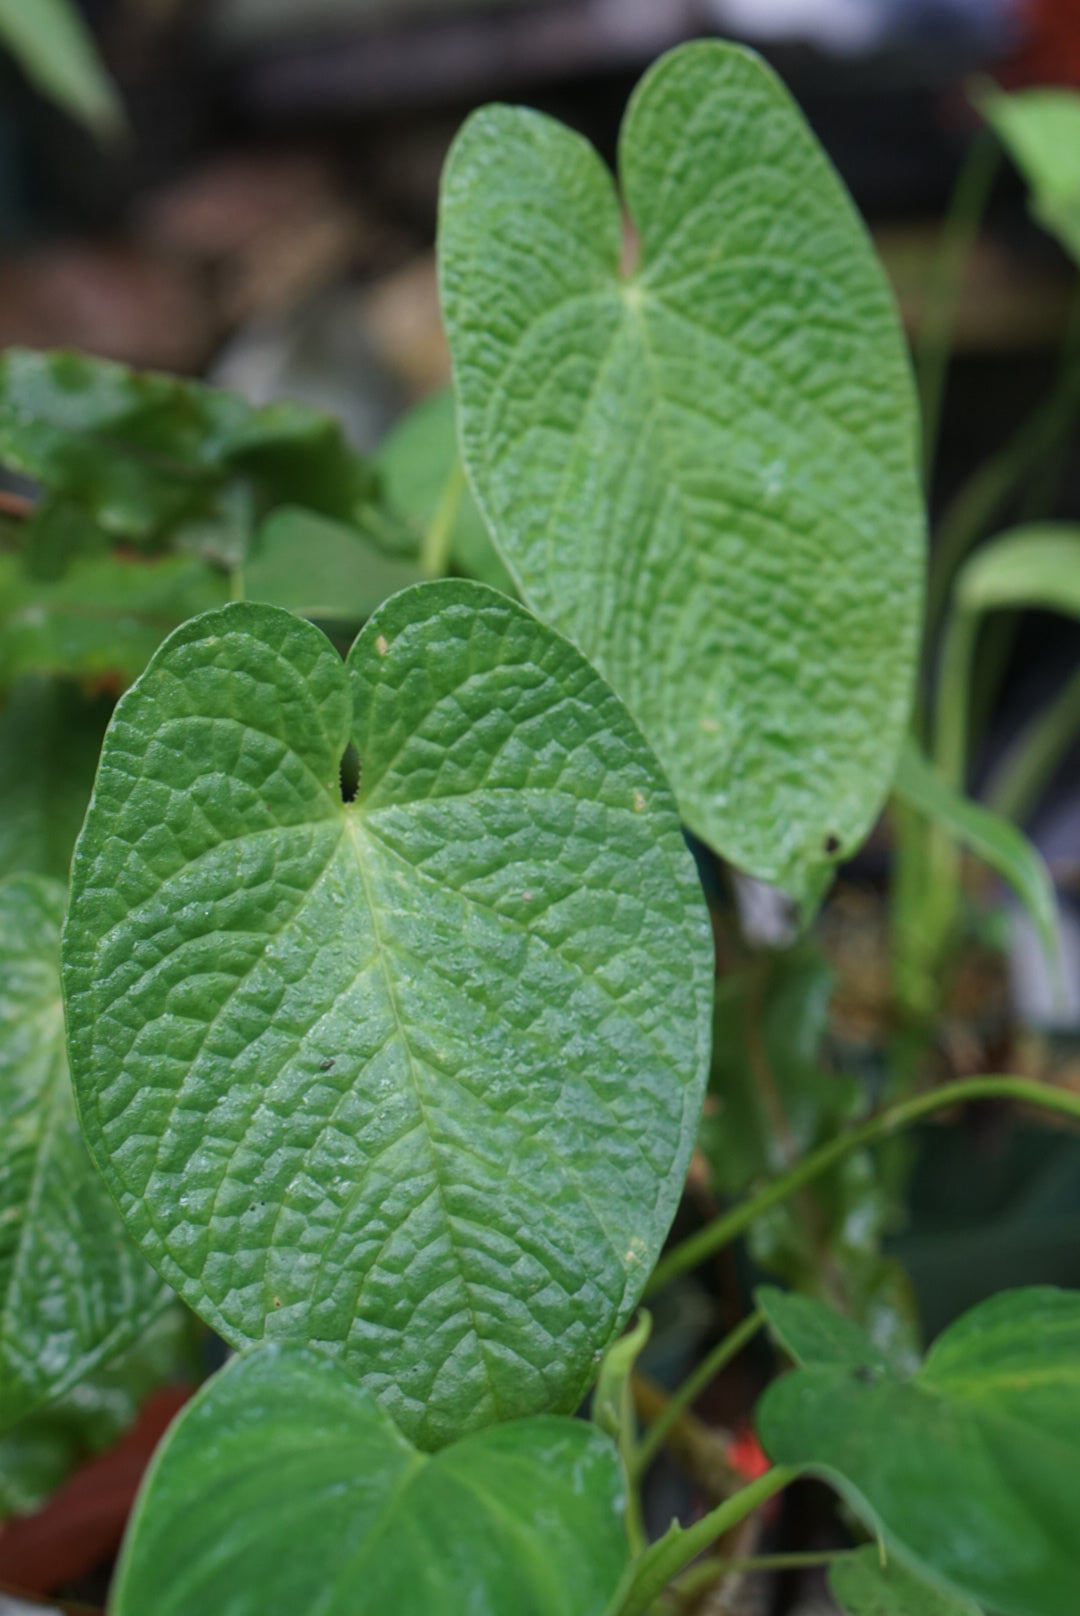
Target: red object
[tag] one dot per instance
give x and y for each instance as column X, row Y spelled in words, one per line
column 1051, row 50
column 745, row 1456
column 84, row 1520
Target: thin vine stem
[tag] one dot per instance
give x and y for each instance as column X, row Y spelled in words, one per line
column 691, row 1388
column 706, row 1572
column 723, row 1230
column 661, row 1563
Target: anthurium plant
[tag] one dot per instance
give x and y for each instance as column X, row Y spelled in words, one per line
column 376, row 1021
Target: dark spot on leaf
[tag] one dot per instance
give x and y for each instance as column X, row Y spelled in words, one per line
column 326, row 1066
column 350, row 773
column 865, row 1375
column 832, row 845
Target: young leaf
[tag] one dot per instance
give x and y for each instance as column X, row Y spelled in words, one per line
column 969, row 1468
column 414, row 1077
column 1001, row 845
column 703, row 472
column 1040, row 129
column 284, row 1489
column 56, row 50
column 862, row 1586
column 1036, row 566
column 74, row 1292
column 50, row 737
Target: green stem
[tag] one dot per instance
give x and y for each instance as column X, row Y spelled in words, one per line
column 954, row 697
column 958, row 234
column 664, row 1560
column 435, row 550
column 706, row 1572
column 723, row 1230
column 691, row 1388
column 1033, row 761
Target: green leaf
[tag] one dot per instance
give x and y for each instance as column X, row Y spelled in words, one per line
column 812, row 1334
column 970, row 1467
column 40, row 1452
column 1040, row 129
column 158, row 462
column 74, row 1292
column 330, row 1510
column 50, row 737
column 56, row 50
column 1036, row 566
column 322, row 569
column 418, row 464
column 103, row 619
column 705, row 472
column 1000, row 844
column 862, row 1586
column 415, row 1077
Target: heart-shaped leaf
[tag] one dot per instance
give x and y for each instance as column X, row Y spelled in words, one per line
column 414, row 1077
column 283, row 1489
column 704, row 472
column 863, row 1586
column 74, row 1291
column 971, row 1466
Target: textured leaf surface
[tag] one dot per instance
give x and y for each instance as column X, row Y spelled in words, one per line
column 284, row 1489
column 50, row 737
column 1041, row 132
column 862, row 1586
column 970, row 1467
column 705, row 472
column 1000, row 844
column 104, row 618
column 414, row 1077
column 74, row 1291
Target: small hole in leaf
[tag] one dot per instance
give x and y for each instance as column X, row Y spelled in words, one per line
column 350, row 773
column 832, row 846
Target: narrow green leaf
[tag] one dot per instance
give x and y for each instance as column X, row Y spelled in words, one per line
column 970, row 1467
column 414, row 1077
column 1000, row 844
column 321, row 569
column 1036, row 566
column 56, row 50
column 704, row 472
column 283, row 1489
column 74, row 1292
column 103, row 619
column 50, row 738
column 862, row 1586
column 1040, row 129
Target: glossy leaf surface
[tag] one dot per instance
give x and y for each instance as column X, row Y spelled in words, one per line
column 704, row 471
column 414, row 1077
column 969, row 1466
column 74, row 1291
column 1040, row 129
column 862, row 1586
column 283, row 1489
